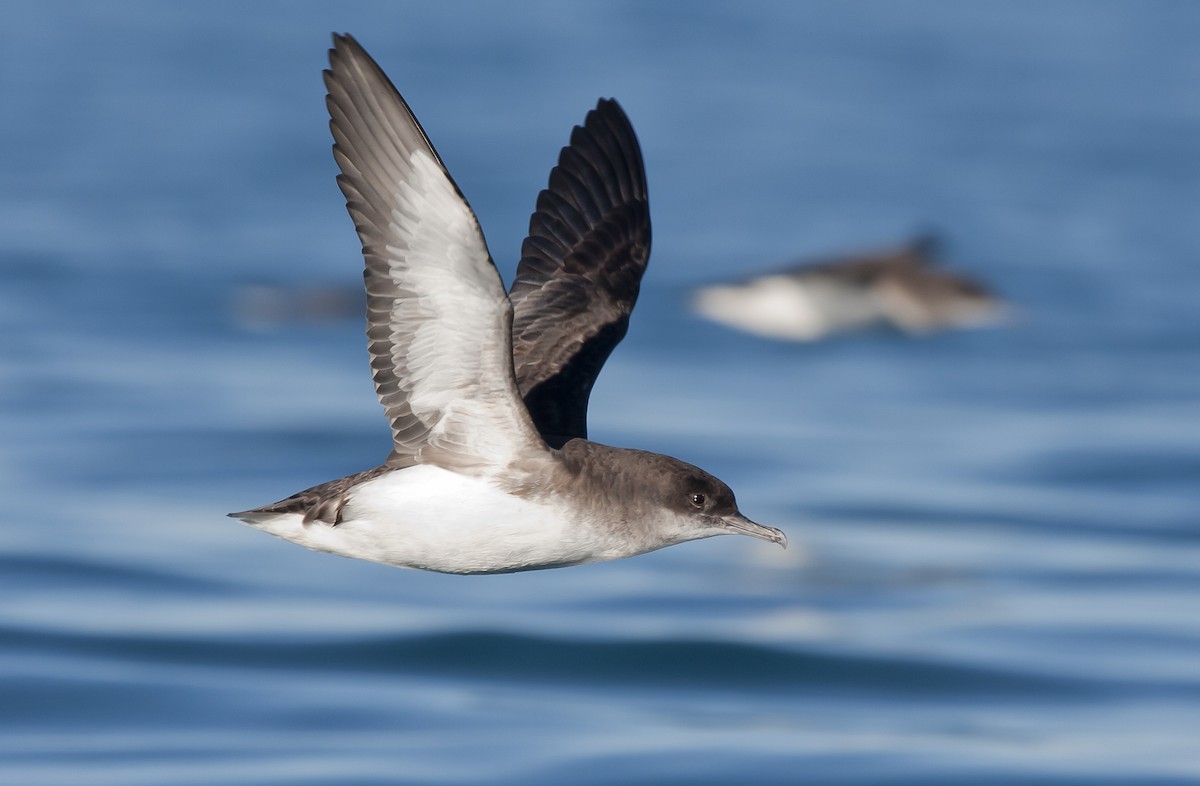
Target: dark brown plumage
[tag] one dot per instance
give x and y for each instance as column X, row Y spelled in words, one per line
column 580, row 271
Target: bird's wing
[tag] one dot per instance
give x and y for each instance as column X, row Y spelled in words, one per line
column 580, row 271
column 438, row 320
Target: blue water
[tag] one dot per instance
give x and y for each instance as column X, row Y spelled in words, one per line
column 995, row 570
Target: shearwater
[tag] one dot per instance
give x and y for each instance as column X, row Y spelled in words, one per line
column 490, row 469
column 901, row 288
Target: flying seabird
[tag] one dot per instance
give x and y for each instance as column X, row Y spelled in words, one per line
column 901, row 288
column 491, row 470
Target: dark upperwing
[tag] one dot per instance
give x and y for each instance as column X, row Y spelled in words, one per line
column 580, row 271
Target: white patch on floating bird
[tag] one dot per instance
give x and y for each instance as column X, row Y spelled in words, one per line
column 784, row 307
column 902, row 288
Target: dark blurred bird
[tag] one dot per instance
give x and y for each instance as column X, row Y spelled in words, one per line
column 900, row 288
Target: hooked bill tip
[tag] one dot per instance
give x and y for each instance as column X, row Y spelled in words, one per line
column 744, row 526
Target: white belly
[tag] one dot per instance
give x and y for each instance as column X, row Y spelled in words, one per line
column 788, row 308
column 433, row 519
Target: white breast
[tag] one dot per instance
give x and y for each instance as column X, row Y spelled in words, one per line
column 787, row 307
column 434, row 519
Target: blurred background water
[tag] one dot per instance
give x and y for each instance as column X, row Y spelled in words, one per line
column 995, row 571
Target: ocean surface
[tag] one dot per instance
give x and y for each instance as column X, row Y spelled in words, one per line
column 994, row 575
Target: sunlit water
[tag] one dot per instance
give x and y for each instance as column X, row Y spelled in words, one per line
column 995, row 571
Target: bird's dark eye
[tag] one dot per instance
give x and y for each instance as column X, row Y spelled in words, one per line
column 698, row 500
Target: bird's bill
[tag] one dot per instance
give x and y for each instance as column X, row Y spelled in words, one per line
column 741, row 525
